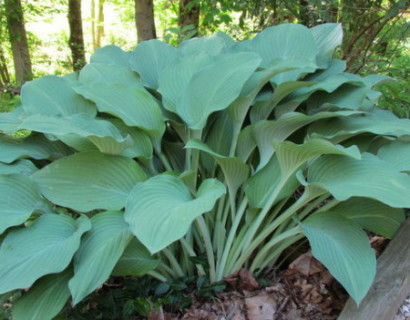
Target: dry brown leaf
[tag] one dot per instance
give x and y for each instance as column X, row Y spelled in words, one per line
column 262, row 307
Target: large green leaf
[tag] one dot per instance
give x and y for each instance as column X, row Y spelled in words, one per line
column 103, row 134
column 23, row 166
column 370, row 177
column 45, row 299
column 286, row 41
column 35, row 146
column 228, row 75
column 135, row 261
column 397, row 154
column 19, row 198
column 111, row 55
column 89, row 180
column 262, row 184
column 376, row 122
column 161, row 209
column 10, row 121
column 328, row 37
column 118, row 91
column 213, row 45
column 150, row 58
column 235, row 170
column 264, row 105
column 175, row 78
column 99, row 251
column 344, row 248
column 266, row 131
column 291, row 156
column 54, row 96
column 371, row 215
column 238, row 109
column 47, row 246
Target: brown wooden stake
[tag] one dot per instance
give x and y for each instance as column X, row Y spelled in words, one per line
column 391, row 285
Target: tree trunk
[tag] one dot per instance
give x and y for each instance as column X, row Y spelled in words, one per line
column 144, row 18
column 99, row 32
column 76, row 41
column 189, row 16
column 18, row 40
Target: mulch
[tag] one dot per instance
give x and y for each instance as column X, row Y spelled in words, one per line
column 304, row 291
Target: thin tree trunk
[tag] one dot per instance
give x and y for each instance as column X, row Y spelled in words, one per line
column 189, row 16
column 18, row 40
column 76, row 41
column 4, row 72
column 99, row 32
column 93, row 19
column 144, row 18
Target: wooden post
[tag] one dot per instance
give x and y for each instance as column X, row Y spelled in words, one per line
column 391, row 285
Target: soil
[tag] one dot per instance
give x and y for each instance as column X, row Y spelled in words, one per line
column 305, row 291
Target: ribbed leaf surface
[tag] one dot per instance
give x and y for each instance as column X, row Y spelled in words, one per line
column 344, row 248
column 135, row 261
column 89, row 180
column 45, row 247
column 370, row 177
column 129, row 101
column 45, row 299
column 161, row 210
column 99, row 251
column 23, row 166
column 54, row 96
column 371, row 215
column 35, row 146
column 150, row 58
column 19, row 197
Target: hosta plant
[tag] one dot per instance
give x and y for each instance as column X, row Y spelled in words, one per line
column 198, row 160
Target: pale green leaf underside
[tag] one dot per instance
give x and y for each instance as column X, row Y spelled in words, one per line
column 235, row 170
column 135, row 261
column 35, row 146
column 161, row 209
column 45, row 299
column 101, row 133
column 19, row 198
column 99, row 251
column 23, row 166
column 344, row 248
column 47, row 246
column 89, row 180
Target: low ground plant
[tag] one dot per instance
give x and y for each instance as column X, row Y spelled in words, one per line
column 197, row 160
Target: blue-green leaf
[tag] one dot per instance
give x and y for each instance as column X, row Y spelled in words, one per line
column 344, row 248
column 161, row 209
column 89, row 180
column 47, row 246
column 45, row 299
column 99, row 251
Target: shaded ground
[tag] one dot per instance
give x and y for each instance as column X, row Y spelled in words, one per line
column 306, row 290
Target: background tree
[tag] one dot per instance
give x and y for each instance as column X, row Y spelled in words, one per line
column 188, row 18
column 144, row 18
column 76, row 40
column 4, row 72
column 18, row 40
column 97, row 22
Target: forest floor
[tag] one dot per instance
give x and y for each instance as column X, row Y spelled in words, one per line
column 304, row 291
